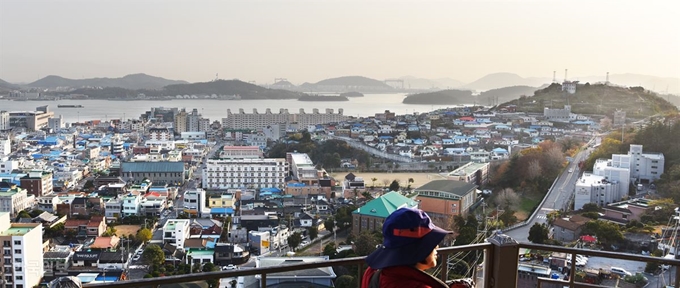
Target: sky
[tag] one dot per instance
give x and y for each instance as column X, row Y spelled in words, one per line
column 308, row 41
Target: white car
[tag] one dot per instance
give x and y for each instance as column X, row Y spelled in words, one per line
column 229, row 267
column 137, row 257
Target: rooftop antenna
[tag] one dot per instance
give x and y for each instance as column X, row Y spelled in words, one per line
column 554, row 76
column 565, row 75
column 217, row 76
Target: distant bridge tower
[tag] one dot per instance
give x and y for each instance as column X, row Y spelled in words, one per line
column 396, row 83
column 217, row 76
column 554, row 76
column 276, row 80
column 565, row 75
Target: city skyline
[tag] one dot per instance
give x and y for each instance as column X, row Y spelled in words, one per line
column 311, row 41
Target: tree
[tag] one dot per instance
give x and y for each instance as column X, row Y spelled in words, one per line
column 153, row 255
column 346, row 281
column 507, row 199
column 534, row 170
column 538, row 233
column 329, row 224
column 366, row 243
column 294, row 240
column 208, row 267
column 373, row 181
column 110, row 231
column 313, row 232
column 410, row 181
column 55, row 230
column 590, row 207
column 329, row 250
column 394, row 186
column 144, row 235
column 465, row 236
column 24, row 214
column 367, row 195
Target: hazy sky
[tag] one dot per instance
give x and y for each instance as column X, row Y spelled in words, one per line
column 314, row 40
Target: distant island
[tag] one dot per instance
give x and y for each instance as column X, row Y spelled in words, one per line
column 322, row 98
column 352, row 94
column 444, row 97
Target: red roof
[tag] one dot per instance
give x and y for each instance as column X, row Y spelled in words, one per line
column 588, row 238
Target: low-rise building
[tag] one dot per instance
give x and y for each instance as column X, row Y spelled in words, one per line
column 37, row 183
column 445, row 198
column 371, row 216
column 131, row 203
column 473, row 173
column 194, row 203
column 568, row 229
column 14, row 199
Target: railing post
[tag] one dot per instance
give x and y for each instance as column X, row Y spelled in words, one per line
column 500, row 269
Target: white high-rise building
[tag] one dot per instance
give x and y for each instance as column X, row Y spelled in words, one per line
column 242, row 120
column 615, row 175
column 23, row 260
column 4, row 120
column 55, row 123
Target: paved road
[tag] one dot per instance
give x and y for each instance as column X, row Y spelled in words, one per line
column 557, row 198
column 354, row 143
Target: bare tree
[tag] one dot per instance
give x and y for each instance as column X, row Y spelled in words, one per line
column 508, row 199
column 534, row 170
column 554, row 159
column 386, row 182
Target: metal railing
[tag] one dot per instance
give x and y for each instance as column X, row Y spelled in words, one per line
column 500, row 266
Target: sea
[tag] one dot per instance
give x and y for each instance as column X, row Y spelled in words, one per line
column 368, row 105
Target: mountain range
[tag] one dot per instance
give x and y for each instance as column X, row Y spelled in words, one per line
column 365, row 84
column 132, row 81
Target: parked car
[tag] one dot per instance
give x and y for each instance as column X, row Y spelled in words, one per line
column 229, row 267
column 137, row 257
column 620, row 271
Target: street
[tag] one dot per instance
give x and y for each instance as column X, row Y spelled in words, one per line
column 557, row 198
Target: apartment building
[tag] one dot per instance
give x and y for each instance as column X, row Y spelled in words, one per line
column 130, row 204
column 597, row 189
column 626, row 168
column 160, row 134
column 194, row 202
column 4, row 121
column 238, row 173
column 23, row 262
column 175, row 231
column 302, row 168
column 242, row 120
column 37, row 183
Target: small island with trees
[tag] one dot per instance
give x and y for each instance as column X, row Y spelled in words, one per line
column 322, row 98
column 352, row 94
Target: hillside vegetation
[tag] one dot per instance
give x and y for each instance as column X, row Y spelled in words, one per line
column 505, row 94
column 444, row 97
column 132, row 81
column 597, row 99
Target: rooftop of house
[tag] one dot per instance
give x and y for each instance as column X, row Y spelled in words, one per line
column 384, row 205
column 468, row 169
column 458, row 188
column 19, row 229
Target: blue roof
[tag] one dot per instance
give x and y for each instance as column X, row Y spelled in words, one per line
column 221, row 210
column 271, row 189
column 296, row 184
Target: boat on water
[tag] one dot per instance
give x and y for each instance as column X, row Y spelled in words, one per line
column 70, row 106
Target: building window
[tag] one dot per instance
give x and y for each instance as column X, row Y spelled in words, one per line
column 17, row 251
column 18, row 260
column 17, row 242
